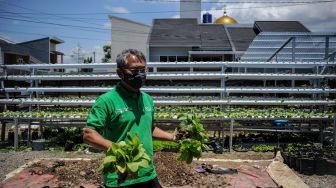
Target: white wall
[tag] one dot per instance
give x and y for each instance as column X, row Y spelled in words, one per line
column 155, row 52
column 52, row 46
column 1, row 58
column 187, row 9
column 128, row 34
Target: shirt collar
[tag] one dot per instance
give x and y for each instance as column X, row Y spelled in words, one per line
column 124, row 92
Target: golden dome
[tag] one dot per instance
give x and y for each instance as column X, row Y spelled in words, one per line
column 226, row 20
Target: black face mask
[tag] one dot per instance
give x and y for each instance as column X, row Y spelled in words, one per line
column 136, row 81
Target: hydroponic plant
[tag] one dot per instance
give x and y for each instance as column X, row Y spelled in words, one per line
column 193, row 137
column 125, row 158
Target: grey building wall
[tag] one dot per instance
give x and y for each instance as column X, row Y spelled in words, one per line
column 128, row 34
column 1, row 58
column 191, row 9
column 156, row 52
column 52, row 46
column 39, row 49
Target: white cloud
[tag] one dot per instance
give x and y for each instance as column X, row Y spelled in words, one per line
column 71, row 54
column 316, row 17
column 67, row 59
column 116, row 9
column 16, row 22
column 176, row 16
column 99, row 54
column 107, row 25
column 6, row 37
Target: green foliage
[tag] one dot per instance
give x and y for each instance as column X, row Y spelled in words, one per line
column 190, row 148
column 68, row 137
column 80, row 147
column 161, row 145
column 107, row 53
column 125, row 158
column 194, row 137
column 240, row 148
column 88, row 60
column 262, row 148
column 330, row 152
column 170, row 112
column 311, row 150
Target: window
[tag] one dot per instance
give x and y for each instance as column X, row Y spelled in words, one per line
column 163, row 58
column 172, row 58
column 216, row 58
column 182, row 58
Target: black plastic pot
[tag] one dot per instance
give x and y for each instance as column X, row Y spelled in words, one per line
column 11, row 137
column 39, row 145
column 307, row 166
column 3, row 145
column 331, row 167
column 34, row 135
column 292, row 161
column 285, row 157
column 69, row 145
column 297, row 164
column 217, row 148
column 321, row 166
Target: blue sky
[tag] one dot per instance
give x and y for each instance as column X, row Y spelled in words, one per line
column 85, row 23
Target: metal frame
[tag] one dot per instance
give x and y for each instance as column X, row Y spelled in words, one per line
column 34, row 78
column 178, row 65
column 178, row 76
column 88, row 102
column 175, row 90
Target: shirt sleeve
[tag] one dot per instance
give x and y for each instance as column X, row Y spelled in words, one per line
column 98, row 115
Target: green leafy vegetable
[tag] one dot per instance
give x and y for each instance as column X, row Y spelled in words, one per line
column 193, row 137
column 125, row 158
column 190, row 148
column 262, row 148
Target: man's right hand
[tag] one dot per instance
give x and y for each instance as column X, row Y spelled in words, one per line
column 95, row 139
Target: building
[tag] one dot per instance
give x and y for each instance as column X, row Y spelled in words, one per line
column 128, row 34
column 36, row 51
column 185, row 39
column 191, row 9
column 173, row 40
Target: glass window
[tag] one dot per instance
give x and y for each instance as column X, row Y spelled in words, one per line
column 182, row 58
column 217, row 58
column 172, row 58
column 163, row 58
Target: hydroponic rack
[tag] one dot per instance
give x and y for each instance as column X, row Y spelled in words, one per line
column 319, row 72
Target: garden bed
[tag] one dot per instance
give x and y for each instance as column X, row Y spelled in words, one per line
column 11, row 160
column 172, row 173
column 310, row 159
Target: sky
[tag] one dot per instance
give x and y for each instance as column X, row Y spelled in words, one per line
column 85, row 24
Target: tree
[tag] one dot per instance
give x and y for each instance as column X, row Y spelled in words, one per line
column 107, row 53
column 88, row 60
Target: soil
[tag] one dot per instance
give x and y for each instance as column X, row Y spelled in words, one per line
column 171, row 173
column 70, row 173
column 316, row 181
column 174, row 173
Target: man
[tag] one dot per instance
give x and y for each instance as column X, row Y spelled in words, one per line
column 126, row 109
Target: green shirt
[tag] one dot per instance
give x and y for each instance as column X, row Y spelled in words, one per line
column 117, row 112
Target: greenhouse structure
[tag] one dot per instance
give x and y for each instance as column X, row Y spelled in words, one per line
column 229, row 96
